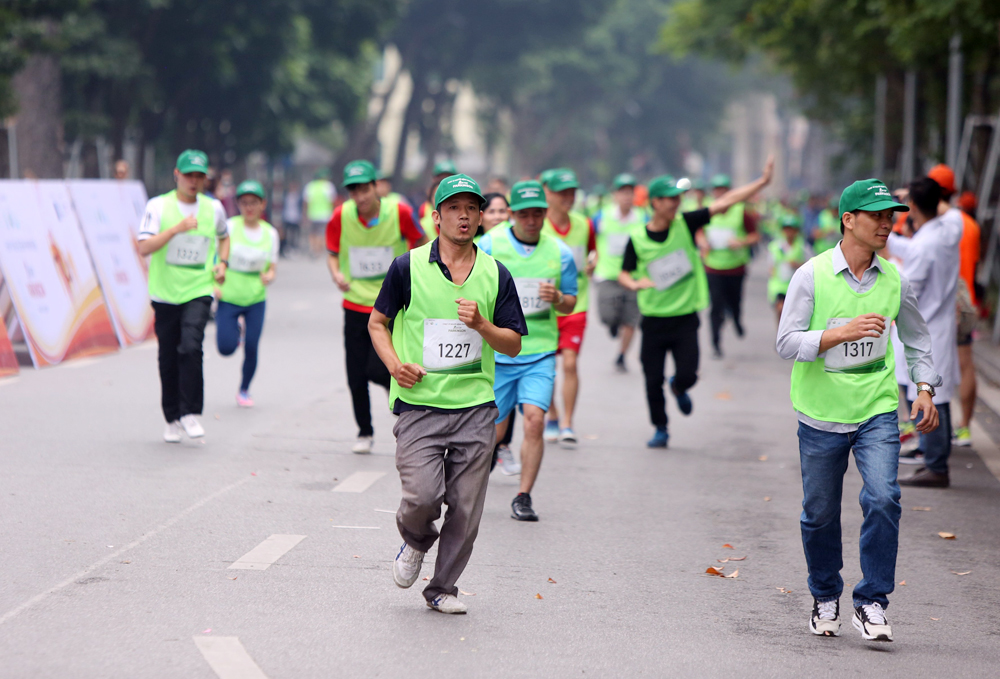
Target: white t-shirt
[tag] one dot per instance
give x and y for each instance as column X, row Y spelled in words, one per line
column 154, row 211
column 254, row 234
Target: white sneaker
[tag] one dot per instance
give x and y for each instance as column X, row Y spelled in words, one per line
column 447, row 603
column 191, row 426
column 363, row 446
column 870, row 620
column 508, row 465
column 172, row 434
column 406, row 567
column 825, row 620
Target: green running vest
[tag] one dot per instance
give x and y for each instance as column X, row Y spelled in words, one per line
column 867, row 390
column 432, row 306
column 320, row 206
column 781, row 276
column 367, row 252
column 731, row 221
column 827, row 222
column 612, row 237
column 247, row 260
column 577, row 239
column 688, row 294
column 427, row 222
column 180, row 283
column 544, row 263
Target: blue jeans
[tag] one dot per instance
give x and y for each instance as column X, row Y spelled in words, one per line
column 936, row 446
column 228, row 334
column 824, row 458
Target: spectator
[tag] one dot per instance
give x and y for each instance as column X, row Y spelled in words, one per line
column 121, row 169
column 291, row 216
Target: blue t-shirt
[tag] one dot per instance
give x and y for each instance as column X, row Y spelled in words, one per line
column 567, row 281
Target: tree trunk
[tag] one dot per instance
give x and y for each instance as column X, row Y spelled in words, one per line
column 40, row 143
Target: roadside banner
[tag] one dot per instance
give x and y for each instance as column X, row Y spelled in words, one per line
column 115, row 251
column 8, row 359
column 133, row 195
column 49, row 276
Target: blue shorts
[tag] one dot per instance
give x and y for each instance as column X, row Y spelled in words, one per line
column 520, row 383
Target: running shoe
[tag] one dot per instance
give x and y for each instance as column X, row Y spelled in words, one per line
column 660, row 438
column 447, row 603
column 962, row 438
column 551, row 431
column 907, row 431
column 739, row 328
column 567, row 439
column 620, row 364
column 172, row 434
column 191, row 426
column 925, row 478
column 406, row 567
column 363, row 445
column 684, row 403
column 825, row 620
column 717, row 353
column 613, row 329
column 521, row 510
column 870, row 620
column 508, row 465
column 243, row 399
column 915, row 456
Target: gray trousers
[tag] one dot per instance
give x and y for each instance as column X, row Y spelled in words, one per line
column 444, row 458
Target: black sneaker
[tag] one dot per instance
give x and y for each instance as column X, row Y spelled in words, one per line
column 620, row 364
column 825, row 620
column 521, row 510
column 717, row 353
column 739, row 329
column 613, row 329
column 871, row 622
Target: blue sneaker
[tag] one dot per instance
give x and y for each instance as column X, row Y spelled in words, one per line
column 551, row 431
column 659, row 439
column 683, row 400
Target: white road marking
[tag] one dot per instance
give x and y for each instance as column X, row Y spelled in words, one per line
column 358, row 482
column 386, row 511
column 114, row 555
column 227, row 658
column 267, row 552
column 359, row 527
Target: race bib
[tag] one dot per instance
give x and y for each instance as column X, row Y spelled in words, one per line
column 785, row 271
column 370, row 262
column 579, row 257
column 246, row 259
column 451, row 346
column 617, row 242
column 719, row 239
column 531, row 303
column 187, row 249
column 863, row 356
column 669, row 269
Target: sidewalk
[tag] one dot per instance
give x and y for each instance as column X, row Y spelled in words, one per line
column 986, row 423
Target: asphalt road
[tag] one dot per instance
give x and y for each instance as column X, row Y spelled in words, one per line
column 118, row 549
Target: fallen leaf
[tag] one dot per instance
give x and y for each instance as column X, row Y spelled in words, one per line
column 728, row 546
column 783, row 590
column 762, row 458
column 217, row 416
column 734, row 574
column 552, row 581
column 234, row 578
column 463, row 593
column 712, row 570
column 461, row 638
column 253, row 473
column 767, row 499
column 920, row 509
column 946, row 536
column 935, row 618
column 126, row 562
column 539, row 596
column 724, row 396
column 591, row 437
column 427, row 577
column 961, row 573
column 902, row 583
column 208, row 631
column 356, row 556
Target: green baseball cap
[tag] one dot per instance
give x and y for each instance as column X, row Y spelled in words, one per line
column 445, row 167
column 192, row 160
column 527, row 194
column 562, row 179
column 624, row 179
column 790, row 221
column 456, row 184
column 698, row 184
column 869, row 195
column 720, row 181
column 252, row 187
column 359, row 172
column 664, row 186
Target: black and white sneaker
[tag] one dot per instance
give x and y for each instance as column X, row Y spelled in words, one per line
column 521, row 510
column 870, row 620
column 825, row 620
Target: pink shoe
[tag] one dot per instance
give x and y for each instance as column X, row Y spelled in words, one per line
column 243, row 399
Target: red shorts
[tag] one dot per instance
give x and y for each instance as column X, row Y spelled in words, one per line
column 571, row 331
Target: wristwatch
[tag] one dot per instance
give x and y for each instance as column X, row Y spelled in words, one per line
column 224, row 261
column 926, row 387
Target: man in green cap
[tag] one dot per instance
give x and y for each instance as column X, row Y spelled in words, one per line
column 577, row 232
column 835, row 326
column 383, row 186
column 617, row 304
column 184, row 233
column 726, row 252
column 317, row 203
column 545, row 277
column 454, row 308
column 661, row 264
column 788, row 253
column 253, row 258
column 363, row 237
column 694, row 198
column 442, row 169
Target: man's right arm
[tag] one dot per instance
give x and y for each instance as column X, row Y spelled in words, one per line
column 152, row 237
column 795, row 340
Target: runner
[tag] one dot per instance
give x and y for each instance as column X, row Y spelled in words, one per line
column 453, row 307
column 576, row 231
column 442, row 169
column 617, row 304
column 496, row 213
column 181, row 231
column 835, row 326
column 317, row 204
column 662, row 265
column 787, row 254
column 383, row 186
column 827, row 233
column 362, row 238
column 545, row 276
column 253, row 257
column 729, row 236
column 693, row 198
